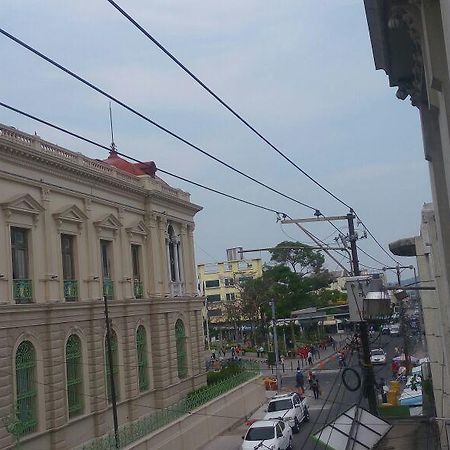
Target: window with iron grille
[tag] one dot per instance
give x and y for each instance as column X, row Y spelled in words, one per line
column 26, row 388
column 180, row 337
column 74, row 376
column 22, row 288
column 115, row 366
column 231, row 296
column 68, row 266
column 141, row 347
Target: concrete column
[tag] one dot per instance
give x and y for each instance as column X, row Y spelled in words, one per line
column 96, row 362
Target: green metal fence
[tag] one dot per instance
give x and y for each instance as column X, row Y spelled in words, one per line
column 22, row 291
column 133, row 431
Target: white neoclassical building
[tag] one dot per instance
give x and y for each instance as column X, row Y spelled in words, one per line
column 72, row 230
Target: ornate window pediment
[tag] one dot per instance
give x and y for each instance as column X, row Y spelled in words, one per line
column 138, row 229
column 71, row 215
column 110, row 223
column 25, row 205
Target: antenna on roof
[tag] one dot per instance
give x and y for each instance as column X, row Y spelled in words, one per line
column 113, row 145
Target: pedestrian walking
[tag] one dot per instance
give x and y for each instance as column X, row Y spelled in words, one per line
column 310, row 357
column 300, row 382
column 315, row 387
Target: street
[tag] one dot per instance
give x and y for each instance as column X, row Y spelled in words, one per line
column 334, row 399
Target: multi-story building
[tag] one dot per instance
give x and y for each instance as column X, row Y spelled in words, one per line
column 74, row 230
column 220, row 283
column 411, row 43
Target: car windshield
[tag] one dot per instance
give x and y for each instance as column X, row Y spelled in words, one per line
column 377, row 352
column 280, row 405
column 260, row 434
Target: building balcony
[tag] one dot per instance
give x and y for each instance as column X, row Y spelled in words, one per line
column 138, row 289
column 70, row 290
column 22, row 291
column 108, row 288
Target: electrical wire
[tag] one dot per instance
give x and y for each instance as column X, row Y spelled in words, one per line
column 90, row 141
column 222, row 102
column 375, row 239
column 195, row 147
column 151, row 121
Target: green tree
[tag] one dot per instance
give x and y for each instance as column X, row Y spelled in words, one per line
column 300, row 257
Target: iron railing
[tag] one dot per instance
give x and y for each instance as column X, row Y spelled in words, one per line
column 133, row 431
column 138, row 288
column 70, row 290
column 108, row 288
column 22, row 291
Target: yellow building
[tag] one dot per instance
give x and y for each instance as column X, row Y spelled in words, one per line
column 219, row 283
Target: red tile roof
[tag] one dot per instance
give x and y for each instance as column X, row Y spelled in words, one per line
column 147, row 168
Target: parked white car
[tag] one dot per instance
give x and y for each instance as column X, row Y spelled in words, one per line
column 290, row 408
column 377, row 356
column 268, row 434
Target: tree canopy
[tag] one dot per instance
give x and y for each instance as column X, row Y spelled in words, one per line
column 301, row 258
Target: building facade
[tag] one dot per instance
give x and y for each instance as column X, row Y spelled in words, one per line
column 411, row 43
column 73, row 231
column 220, row 283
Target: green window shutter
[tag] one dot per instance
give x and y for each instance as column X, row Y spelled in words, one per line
column 26, row 388
column 74, row 376
column 180, row 337
column 115, row 367
column 141, row 347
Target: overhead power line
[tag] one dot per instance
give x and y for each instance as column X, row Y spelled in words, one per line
column 236, row 114
column 104, row 147
column 223, row 103
column 151, row 121
column 185, row 141
column 90, row 141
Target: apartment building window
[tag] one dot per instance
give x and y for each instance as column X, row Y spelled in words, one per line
column 180, row 338
column 108, row 284
column 26, row 388
column 212, row 284
column 115, row 366
column 231, row 296
column 138, row 286
column 213, row 298
column 229, row 282
column 22, row 287
column 141, row 348
column 68, row 265
column 74, row 376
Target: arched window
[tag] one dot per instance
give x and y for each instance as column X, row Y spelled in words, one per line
column 115, row 366
column 26, row 388
column 141, row 348
column 180, row 336
column 74, row 376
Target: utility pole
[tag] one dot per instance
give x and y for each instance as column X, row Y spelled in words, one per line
column 111, row 374
column 369, row 378
column 402, row 319
column 275, row 344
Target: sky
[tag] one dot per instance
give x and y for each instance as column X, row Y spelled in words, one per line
column 301, row 72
